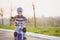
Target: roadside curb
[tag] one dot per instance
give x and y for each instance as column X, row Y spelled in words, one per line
column 36, row 35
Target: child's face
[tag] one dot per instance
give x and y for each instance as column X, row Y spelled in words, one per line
column 19, row 13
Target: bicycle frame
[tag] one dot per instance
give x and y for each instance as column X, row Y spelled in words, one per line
column 19, row 36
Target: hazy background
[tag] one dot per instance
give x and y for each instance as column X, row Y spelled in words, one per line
column 47, row 12
column 43, row 7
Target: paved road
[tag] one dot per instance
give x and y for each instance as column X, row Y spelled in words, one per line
column 9, row 36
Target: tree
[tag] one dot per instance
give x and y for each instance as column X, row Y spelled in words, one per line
column 51, row 21
column 57, row 21
column 1, row 14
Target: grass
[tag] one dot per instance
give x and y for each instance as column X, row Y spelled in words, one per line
column 52, row 31
column 7, row 27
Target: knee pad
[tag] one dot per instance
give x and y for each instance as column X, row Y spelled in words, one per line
column 15, row 34
column 24, row 30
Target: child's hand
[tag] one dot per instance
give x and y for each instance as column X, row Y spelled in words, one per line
column 11, row 17
column 27, row 21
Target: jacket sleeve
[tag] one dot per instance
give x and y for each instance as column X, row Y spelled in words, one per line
column 25, row 19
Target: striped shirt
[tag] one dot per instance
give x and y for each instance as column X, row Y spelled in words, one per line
column 20, row 21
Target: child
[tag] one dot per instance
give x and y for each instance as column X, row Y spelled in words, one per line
column 20, row 22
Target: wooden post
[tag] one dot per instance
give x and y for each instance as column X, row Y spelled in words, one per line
column 10, row 13
column 34, row 14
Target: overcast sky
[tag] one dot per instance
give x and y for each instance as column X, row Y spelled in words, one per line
column 43, row 7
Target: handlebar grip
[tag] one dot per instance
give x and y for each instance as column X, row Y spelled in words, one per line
column 11, row 17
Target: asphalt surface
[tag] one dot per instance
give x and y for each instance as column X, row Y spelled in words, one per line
column 9, row 36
